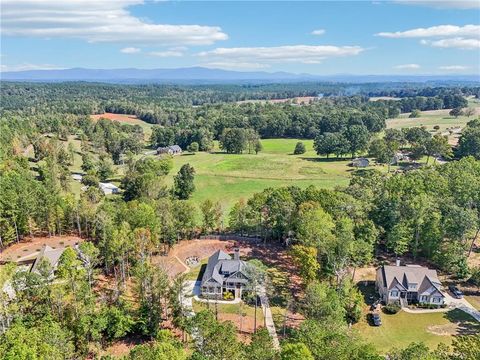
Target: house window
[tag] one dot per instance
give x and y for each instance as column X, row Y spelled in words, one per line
column 436, row 300
column 394, row 293
column 412, row 286
column 423, row 298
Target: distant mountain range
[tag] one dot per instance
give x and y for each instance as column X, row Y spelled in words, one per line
column 208, row 75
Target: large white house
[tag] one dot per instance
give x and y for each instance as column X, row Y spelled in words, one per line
column 409, row 284
column 224, row 274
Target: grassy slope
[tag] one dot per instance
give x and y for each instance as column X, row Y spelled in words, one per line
column 401, row 329
column 230, row 177
column 429, row 119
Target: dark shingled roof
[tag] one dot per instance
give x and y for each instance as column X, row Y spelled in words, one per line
column 219, row 263
column 414, row 274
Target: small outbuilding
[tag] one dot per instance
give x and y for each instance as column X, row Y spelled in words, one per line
column 360, row 162
column 109, row 188
column 170, row 150
column 77, row 177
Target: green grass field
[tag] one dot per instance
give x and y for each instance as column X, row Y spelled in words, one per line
column 230, row 177
column 403, row 328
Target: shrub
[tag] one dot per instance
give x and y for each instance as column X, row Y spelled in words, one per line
column 436, row 127
column 414, row 114
column 227, row 295
column 391, row 308
column 299, row 148
column 193, row 147
column 475, row 277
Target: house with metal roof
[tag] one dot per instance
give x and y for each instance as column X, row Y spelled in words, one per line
column 170, row 150
column 224, row 274
column 360, row 162
column 49, row 254
column 109, row 188
column 409, row 284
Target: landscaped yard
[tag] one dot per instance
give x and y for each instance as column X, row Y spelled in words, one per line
column 401, row 329
column 196, row 272
column 474, row 300
column 241, row 314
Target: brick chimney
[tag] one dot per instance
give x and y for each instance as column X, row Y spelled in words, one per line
column 397, row 262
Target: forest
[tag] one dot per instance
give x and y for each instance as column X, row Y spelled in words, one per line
column 431, row 213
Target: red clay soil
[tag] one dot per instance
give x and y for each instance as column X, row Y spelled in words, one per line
column 132, row 119
column 29, row 247
column 174, row 262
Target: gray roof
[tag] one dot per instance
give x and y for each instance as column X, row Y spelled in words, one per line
column 401, row 276
column 175, row 148
column 221, row 263
column 50, row 254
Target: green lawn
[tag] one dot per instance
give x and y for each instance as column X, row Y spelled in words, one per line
column 196, row 272
column 401, row 329
column 230, row 177
column 474, row 300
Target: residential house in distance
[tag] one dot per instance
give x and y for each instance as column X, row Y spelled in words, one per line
column 409, row 284
column 109, row 188
column 360, row 162
column 170, row 150
column 224, row 274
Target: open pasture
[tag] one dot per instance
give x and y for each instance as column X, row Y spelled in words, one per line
column 229, row 177
column 126, row 119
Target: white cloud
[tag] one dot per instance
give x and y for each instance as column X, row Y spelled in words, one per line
column 444, row 4
column 97, row 21
column 166, row 53
column 453, row 67
column 459, row 43
column 28, row 66
column 306, row 54
column 233, row 65
column 435, row 31
column 318, row 32
column 408, row 67
column 130, row 50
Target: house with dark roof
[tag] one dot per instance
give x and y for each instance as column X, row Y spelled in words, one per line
column 409, row 284
column 224, row 274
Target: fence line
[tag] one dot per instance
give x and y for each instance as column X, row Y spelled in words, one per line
column 230, row 237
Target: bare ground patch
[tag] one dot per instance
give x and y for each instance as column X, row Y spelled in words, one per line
column 30, row 247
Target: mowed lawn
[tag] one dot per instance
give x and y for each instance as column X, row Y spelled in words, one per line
column 403, row 328
column 229, row 177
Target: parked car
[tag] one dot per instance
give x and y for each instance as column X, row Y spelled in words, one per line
column 455, row 292
column 376, row 320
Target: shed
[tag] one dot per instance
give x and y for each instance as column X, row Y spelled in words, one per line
column 360, row 162
column 109, row 188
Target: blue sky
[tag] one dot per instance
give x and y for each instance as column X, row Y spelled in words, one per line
column 322, row 37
